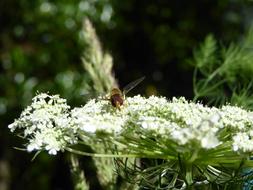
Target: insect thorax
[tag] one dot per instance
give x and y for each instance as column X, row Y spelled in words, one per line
column 116, row 91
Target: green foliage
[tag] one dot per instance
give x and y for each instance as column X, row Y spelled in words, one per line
column 34, row 54
column 224, row 74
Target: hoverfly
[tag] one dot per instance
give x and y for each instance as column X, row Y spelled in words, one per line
column 117, row 96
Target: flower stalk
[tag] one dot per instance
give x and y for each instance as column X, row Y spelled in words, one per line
column 99, row 67
column 80, row 182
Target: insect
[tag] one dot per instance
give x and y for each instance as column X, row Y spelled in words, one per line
column 117, row 96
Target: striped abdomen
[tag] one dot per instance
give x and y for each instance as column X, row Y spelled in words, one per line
column 117, row 100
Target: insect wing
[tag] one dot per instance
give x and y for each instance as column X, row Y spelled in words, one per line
column 131, row 85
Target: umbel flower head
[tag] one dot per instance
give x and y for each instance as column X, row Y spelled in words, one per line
column 49, row 124
column 46, row 124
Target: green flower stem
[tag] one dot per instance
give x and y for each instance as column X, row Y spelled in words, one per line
column 78, row 152
column 77, row 174
column 188, row 175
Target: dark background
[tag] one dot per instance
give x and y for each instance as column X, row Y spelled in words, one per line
column 41, row 50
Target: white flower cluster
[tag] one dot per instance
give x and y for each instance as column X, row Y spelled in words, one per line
column 98, row 116
column 180, row 120
column 46, row 124
column 49, row 123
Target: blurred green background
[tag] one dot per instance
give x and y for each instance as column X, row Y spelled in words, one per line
column 41, row 47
